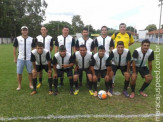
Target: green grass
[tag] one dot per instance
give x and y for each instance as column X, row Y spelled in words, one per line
column 20, row 104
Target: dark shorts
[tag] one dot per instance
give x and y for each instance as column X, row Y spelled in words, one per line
column 80, row 71
column 142, row 70
column 41, row 67
column 102, row 73
column 60, row 72
column 122, row 68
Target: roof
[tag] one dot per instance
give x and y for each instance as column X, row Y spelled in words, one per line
column 155, row 32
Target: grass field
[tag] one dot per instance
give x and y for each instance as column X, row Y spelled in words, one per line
column 20, row 104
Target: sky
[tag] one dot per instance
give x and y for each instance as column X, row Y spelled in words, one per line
column 136, row 13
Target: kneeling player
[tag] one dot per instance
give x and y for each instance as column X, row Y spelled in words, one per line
column 83, row 59
column 140, row 57
column 40, row 59
column 120, row 58
column 101, row 68
column 62, row 62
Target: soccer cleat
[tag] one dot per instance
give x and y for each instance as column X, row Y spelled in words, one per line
column 91, row 92
column 18, row 89
column 125, row 93
column 71, row 92
column 39, row 85
column 109, row 94
column 132, row 95
column 95, row 94
column 55, row 93
column 143, row 94
column 33, row 92
column 50, row 92
column 76, row 92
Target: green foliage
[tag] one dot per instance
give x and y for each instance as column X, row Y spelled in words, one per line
column 151, row 27
column 77, row 24
column 131, row 28
column 16, row 13
column 55, row 27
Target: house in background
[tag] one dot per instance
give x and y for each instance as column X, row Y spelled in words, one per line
column 153, row 36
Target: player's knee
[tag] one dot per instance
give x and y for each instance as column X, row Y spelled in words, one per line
column 75, row 78
column 148, row 78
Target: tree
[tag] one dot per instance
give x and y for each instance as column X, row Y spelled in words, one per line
column 77, row 24
column 55, row 28
column 90, row 29
column 151, row 27
column 131, row 28
column 16, row 13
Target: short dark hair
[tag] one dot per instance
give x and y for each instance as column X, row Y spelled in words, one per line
column 120, row 43
column 101, row 47
column 122, row 24
column 104, row 27
column 82, row 46
column 65, row 27
column 62, row 48
column 39, row 44
column 85, row 29
column 43, row 27
column 145, row 41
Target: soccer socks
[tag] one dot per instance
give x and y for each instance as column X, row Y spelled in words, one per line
column 34, row 83
column 76, row 84
column 90, row 85
column 71, row 84
column 40, row 80
column 80, row 77
column 107, row 86
column 126, row 83
column 110, row 84
column 133, row 87
column 61, row 81
column 95, row 86
column 56, row 84
column 50, row 84
column 144, row 86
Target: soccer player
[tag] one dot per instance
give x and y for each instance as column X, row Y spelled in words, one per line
column 66, row 40
column 106, row 41
column 124, row 36
column 101, row 68
column 88, row 42
column 83, row 59
column 120, row 58
column 62, row 62
column 24, row 43
column 140, row 56
column 48, row 45
column 40, row 59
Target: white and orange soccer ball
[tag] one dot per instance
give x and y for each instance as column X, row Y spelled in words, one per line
column 102, row 94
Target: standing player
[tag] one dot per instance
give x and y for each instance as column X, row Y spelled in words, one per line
column 120, row 58
column 25, row 44
column 62, row 62
column 48, row 45
column 66, row 40
column 104, row 40
column 88, row 42
column 83, row 59
column 124, row 36
column 140, row 57
column 101, row 68
column 40, row 59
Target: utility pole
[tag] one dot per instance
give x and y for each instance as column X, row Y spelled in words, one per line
column 160, row 21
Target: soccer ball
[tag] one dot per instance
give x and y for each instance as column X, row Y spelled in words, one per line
column 102, row 94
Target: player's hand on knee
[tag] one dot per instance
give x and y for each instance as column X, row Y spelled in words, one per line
column 106, row 78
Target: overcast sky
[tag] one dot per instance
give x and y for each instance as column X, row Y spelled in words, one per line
column 137, row 13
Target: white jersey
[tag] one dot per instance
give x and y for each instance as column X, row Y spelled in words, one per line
column 141, row 58
column 106, row 42
column 24, row 47
column 120, row 60
column 68, row 42
column 40, row 59
column 57, row 59
column 88, row 43
column 100, row 63
column 83, row 62
column 47, row 41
